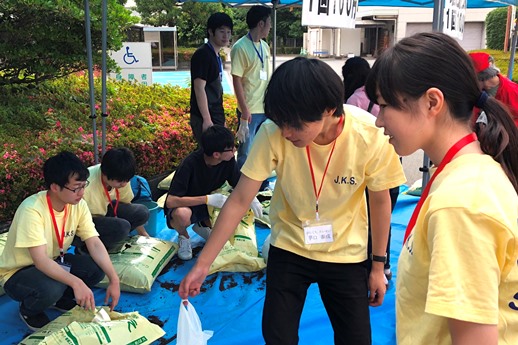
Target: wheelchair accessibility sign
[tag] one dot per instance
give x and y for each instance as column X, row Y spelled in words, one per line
column 129, row 58
column 134, row 60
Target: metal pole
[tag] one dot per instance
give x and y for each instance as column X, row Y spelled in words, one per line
column 513, row 49
column 274, row 40
column 103, row 77
column 93, row 116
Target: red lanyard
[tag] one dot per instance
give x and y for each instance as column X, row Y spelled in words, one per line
column 449, row 156
column 317, row 194
column 59, row 236
column 117, row 197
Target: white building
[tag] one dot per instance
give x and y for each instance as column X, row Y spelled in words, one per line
column 377, row 28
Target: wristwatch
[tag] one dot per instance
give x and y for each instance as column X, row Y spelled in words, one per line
column 378, row 258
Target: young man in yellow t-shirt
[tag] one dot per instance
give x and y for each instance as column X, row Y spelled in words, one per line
column 325, row 155
column 35, row 268
column 251, row 71
column 109, row 199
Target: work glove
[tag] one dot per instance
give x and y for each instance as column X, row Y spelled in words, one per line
column 216, row 200
column 243, row 131
column 257, row 208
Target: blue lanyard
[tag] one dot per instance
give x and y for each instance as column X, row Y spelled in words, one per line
column 259, row 52
column 219, row 60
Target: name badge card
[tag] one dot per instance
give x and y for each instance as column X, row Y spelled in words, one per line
column 263, row 75
column 318, row 231
column 63, row 264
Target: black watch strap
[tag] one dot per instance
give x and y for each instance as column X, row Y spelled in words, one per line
column 378, row 258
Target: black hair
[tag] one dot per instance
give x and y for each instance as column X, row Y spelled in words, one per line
column 119, row 164
column 256, row 14
column 415, row 64
column 355, row 72
column 217, row 20
column 300, row 90
column 217, row 138
column 60, row 168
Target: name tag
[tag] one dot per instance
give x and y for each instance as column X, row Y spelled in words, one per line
column 63, row 264
column 316, row 232
column 263, row 75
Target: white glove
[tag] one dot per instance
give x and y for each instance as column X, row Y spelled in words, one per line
column 216, row 200
column 243, row 131
column 257, row 208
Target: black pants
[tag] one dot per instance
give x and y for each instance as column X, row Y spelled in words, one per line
column 37, row 291
column 344, row 292
column 113, row 231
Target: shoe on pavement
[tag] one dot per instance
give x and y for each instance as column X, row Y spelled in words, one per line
column 64, row 304
column 184, row 250
column 203, row 231
column 33, row 322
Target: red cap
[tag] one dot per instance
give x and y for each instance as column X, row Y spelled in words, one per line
column 480, row 61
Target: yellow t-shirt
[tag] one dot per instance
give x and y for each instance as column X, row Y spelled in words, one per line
column 245, row 63
column 95, row 195
column 362, row 158
column 32, row 226
column 460, row 261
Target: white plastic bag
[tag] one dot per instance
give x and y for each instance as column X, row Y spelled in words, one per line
column 189, row 327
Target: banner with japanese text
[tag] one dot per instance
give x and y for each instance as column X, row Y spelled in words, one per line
column 329, row 13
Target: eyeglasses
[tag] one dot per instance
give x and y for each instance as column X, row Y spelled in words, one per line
column 78, row 188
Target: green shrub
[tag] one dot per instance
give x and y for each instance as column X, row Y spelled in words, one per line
column 185, row 53
column 495, row 28
column 153, row 121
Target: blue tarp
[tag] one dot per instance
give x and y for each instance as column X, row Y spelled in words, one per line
column 231, row 303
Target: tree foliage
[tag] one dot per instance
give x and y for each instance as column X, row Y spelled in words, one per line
column 158, row 13
column 495, row 28
column 45, row 39
column 192, row 21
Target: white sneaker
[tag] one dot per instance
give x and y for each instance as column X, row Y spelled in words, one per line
column 185, row 250
column 203, row 231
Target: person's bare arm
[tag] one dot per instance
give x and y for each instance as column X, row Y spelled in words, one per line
column 173, row 201
column 468, row 333
column 99, row 254
column 231, row 214
column 202, row 101
column 240, row 96
column 379, row 204
column 82, row 293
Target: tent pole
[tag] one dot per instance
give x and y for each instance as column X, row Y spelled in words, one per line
column 274, row 40
column 91, row 79
column 513, row 49
column 104, row 68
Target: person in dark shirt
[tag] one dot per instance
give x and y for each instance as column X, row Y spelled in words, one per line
column 200, row 173
column 206, row 76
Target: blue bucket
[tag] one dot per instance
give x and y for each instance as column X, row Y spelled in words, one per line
column 156, row 219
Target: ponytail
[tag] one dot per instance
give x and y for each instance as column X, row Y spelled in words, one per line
column 499, row 137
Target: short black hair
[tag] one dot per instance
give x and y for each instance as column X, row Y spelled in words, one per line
column 119, row 164
column 257, row 13
column 60, row 168
column 217, row 20
column 217, row 138
column 300, row 90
